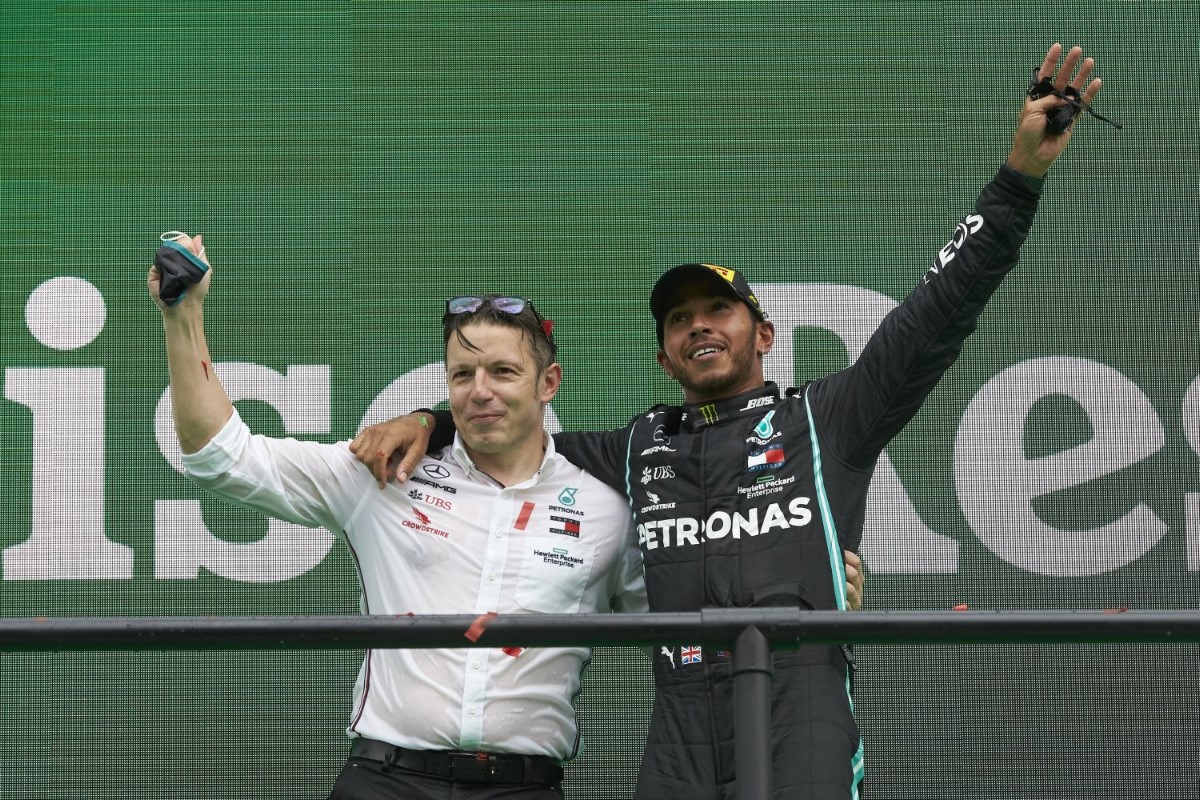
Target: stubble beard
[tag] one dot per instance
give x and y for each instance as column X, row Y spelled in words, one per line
column 709, row 387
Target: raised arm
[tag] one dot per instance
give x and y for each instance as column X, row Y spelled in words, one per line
column 1035, row 148
column 863, row 407
column 198, row 401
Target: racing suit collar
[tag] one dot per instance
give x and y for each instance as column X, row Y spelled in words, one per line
column 702, row 415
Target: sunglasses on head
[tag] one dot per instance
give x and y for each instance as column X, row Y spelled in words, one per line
column 469, row 304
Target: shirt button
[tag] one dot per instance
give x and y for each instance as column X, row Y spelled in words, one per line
column 475, row 665
column 491, row 576
column 471, row 710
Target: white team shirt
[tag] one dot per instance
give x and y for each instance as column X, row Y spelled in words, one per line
column 451, row 540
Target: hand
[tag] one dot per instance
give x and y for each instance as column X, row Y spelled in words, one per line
column 195, row 294
column 393, row 448
column 854, row 579
column 1034, row 149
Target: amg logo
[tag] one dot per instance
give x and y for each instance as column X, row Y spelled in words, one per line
column 427, row 482
column 720, row 524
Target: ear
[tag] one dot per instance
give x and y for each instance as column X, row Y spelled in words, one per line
column 764, row 336
column 665, row 363
column 548, row 383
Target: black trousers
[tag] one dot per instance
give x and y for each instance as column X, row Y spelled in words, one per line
column 367, row 779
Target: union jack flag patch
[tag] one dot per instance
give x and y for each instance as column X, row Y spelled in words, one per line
column 689, row 655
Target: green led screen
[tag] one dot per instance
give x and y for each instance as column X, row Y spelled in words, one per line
column 351, row 164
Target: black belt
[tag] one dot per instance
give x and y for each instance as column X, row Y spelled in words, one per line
column 461, row 767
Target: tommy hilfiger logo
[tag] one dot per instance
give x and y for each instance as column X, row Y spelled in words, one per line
column 568, row 527
column 767, row 458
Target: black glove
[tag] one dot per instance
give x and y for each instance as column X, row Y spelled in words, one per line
column 1059, row 118
column 180, row 268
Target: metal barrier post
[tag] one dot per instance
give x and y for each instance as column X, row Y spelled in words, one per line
column 752, row 714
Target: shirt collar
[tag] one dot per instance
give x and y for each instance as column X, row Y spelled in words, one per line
column 550, row 459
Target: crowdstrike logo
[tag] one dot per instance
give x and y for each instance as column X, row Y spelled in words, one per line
column 656, row 504
column 423, row 525
column 683, row 531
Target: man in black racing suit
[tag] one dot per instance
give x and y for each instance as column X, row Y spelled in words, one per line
column 746, row 497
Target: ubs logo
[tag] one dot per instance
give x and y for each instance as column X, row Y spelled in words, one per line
column 656, row 474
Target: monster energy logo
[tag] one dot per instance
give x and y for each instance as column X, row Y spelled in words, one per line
column 709, row 412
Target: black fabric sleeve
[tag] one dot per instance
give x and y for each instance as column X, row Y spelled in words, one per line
column 860, row 409
column 605, row 454
column 443, row 429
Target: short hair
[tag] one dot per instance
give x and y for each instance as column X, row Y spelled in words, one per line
column 528, row 321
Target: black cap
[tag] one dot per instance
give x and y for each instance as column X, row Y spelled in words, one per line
column 734, row 279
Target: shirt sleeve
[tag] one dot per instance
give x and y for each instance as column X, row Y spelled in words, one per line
column 860, row 409
column 629, row 582
column 306, row 483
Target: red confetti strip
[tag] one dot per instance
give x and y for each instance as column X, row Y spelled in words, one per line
column 477, row 627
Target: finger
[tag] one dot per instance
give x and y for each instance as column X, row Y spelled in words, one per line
column 406, row 466
column 1081, row 77
column 358, row 445
column 854, row 576
column 1064, row 73
column 1052, row 56
column 853, row 597
column 379, row 468
column 1043, row 105
column 1093, row 89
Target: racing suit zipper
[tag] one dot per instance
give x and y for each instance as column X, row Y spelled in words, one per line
column 711, row 677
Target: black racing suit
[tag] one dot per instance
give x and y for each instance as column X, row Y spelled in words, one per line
column 750, row 501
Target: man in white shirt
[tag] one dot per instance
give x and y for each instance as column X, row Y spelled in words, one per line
column 497, row 522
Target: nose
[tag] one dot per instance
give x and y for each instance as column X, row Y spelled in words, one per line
column 699, row 325
column 481, row 386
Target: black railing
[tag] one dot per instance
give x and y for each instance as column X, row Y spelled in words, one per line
column 748, row 633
